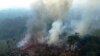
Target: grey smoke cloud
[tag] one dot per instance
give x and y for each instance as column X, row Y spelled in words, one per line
column 53, row 17
column 89, row 17
column 47, row 12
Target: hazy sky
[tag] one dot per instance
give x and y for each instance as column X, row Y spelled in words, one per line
column 4, row 4
column 26, row 3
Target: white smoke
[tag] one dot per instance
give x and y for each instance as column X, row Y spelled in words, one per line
column 24, row 41
column 88, row 17
column 52, row 17
column 55, row 31
column 47, row 11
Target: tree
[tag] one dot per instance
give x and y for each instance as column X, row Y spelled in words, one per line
column 72, row 42
column 89, row 45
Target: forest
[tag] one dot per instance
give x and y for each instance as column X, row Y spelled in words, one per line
column 13, row 29
column 50, row 28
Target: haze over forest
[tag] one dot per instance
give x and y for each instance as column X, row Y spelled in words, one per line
column 19, row 24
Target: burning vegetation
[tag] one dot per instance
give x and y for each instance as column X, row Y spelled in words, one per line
column 34, row 48
column 49, row 35
column 75, row 45
column 58, row 28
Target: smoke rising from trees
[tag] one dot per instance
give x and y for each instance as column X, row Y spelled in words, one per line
column 52, row 18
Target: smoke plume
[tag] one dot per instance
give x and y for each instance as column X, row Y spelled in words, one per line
column 53, row 17
column 89, row 17
column 47, row 12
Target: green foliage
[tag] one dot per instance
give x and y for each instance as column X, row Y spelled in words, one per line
column 73, row 39
column 91, row 53
column 96, row 32
column 90, row 45
column 10, row 28
column 3, row 47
